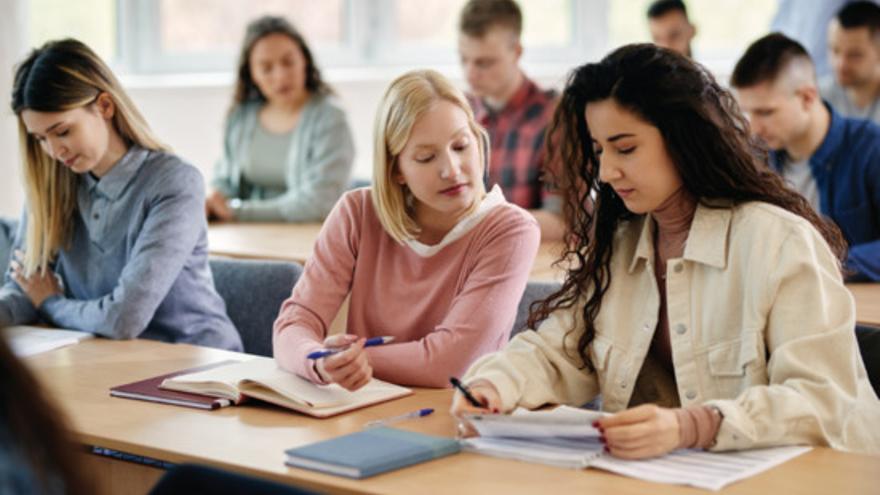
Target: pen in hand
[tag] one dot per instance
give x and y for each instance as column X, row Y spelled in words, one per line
column 368, row 343
column 466, row 392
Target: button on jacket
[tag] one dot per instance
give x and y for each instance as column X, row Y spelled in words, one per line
column 761, row 326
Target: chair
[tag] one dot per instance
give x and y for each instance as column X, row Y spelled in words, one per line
column 869, row 347
column 8, row 227
column 253, row 292
column 191, row 478
column 535, row 291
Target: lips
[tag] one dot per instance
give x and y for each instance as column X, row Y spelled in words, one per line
column 623, row 193
column 454, row 190
column 70, row 161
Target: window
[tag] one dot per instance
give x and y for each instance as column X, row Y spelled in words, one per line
column 185, row 36
column 90, row 21
column 725, row 28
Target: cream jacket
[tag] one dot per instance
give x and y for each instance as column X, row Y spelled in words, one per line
column 760, row 323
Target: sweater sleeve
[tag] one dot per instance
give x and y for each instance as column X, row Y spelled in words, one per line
column 324, row 178
column 15, row 307
column 480, row 318
column 541, row 367
column 817, row 391
column 166, row 240
column 326, row 281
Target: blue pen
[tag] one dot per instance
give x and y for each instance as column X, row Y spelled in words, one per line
column 394, row 419
column 329, row 352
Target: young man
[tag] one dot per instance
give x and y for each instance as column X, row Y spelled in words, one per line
column 512, row 108
column 854, row 46
column 832, row 160
column 670, row 26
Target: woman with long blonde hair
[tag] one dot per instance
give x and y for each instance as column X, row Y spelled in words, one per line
column 427, row 256
column 113, row 240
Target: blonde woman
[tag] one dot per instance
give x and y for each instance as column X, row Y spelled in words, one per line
column 427, row 255
column 287, row 148
column 113, row 239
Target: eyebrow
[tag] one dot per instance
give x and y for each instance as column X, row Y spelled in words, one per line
column 47, row 131
column 455, row 134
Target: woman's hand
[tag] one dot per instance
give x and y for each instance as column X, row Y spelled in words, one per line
column 350, row 368
column 483, row 391
column 644, row 431
column 38, row 287
column 216, row 207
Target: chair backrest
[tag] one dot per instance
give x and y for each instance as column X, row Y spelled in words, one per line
column 253, row 292
column 8, row 227
column 869, row 347
column 535, row 291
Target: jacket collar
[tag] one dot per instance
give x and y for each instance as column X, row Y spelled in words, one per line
column 707, row 237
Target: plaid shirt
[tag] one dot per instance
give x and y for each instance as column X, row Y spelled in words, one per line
column 516, row 134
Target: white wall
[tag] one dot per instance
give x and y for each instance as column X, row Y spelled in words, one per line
column 12, row 22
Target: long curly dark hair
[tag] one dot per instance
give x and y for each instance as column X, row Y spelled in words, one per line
column 706, row 136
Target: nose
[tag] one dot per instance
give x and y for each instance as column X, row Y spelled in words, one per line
column 52, row 148
column 450, row 168
column 608, row 170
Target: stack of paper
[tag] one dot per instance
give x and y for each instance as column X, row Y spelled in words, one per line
column 564, row 437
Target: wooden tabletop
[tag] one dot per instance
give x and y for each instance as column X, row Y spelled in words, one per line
column 252, row 438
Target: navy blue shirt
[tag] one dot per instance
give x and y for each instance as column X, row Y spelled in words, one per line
column 137, row 262
column 846, row 167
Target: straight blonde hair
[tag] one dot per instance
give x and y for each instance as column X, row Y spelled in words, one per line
column 406, row 99
column 59, row 76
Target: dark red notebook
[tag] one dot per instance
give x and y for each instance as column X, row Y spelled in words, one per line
column 149, row 390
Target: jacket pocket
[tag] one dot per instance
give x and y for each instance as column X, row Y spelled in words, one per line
column 731, row 358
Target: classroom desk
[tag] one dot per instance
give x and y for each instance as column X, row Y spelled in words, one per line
column 251, row 439
column 867, row 298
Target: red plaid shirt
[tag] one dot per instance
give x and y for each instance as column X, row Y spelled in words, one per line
column 516, row 134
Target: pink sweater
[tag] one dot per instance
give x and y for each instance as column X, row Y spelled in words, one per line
column 444, row 310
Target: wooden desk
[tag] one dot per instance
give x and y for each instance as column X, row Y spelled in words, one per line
column 251, row 439
column 867, row 298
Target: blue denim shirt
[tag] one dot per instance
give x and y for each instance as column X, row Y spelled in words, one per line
column 137, row 262
column 846, row 167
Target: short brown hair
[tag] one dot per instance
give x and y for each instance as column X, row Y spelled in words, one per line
column 766, row 59
column 478, row 16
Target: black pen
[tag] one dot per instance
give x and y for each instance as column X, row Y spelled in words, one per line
column 467, row 393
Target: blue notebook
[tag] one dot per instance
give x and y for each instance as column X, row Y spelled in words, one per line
column 370, row 452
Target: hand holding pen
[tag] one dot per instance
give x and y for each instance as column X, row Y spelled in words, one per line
column 347, row 363
column 479, row 398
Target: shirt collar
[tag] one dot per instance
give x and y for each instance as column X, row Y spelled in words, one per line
column 706, row 242
column 526, row 88
column 115, row 181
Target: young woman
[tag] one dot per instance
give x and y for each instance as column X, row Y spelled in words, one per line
column 37, row 453
column 113, row 240
column 427, row 256
column 705, row 300
column 287, row 150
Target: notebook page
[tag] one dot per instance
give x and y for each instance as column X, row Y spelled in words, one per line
column 27, row 340
column 560, row 422
column 701, row 469
column 559, row 452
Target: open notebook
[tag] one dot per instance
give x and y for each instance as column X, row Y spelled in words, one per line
column 260, row 378
column 564, row 437
column 27, row 341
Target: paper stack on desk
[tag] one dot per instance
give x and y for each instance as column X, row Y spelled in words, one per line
column 564, row 437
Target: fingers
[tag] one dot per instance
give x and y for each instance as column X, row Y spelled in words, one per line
column 635, row 415
column 340, row 340
column 656, row 434
column 484, row 392
column 350, row 369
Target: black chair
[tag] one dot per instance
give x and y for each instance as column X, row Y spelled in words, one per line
column 869, row 347
column 187, row 479
column 253, row 292
column 535, row 291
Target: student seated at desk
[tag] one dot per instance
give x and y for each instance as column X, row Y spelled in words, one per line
column 287, row 148
column 37, row 452
column 709, row 310
column 427, row 255
column 113, row 239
